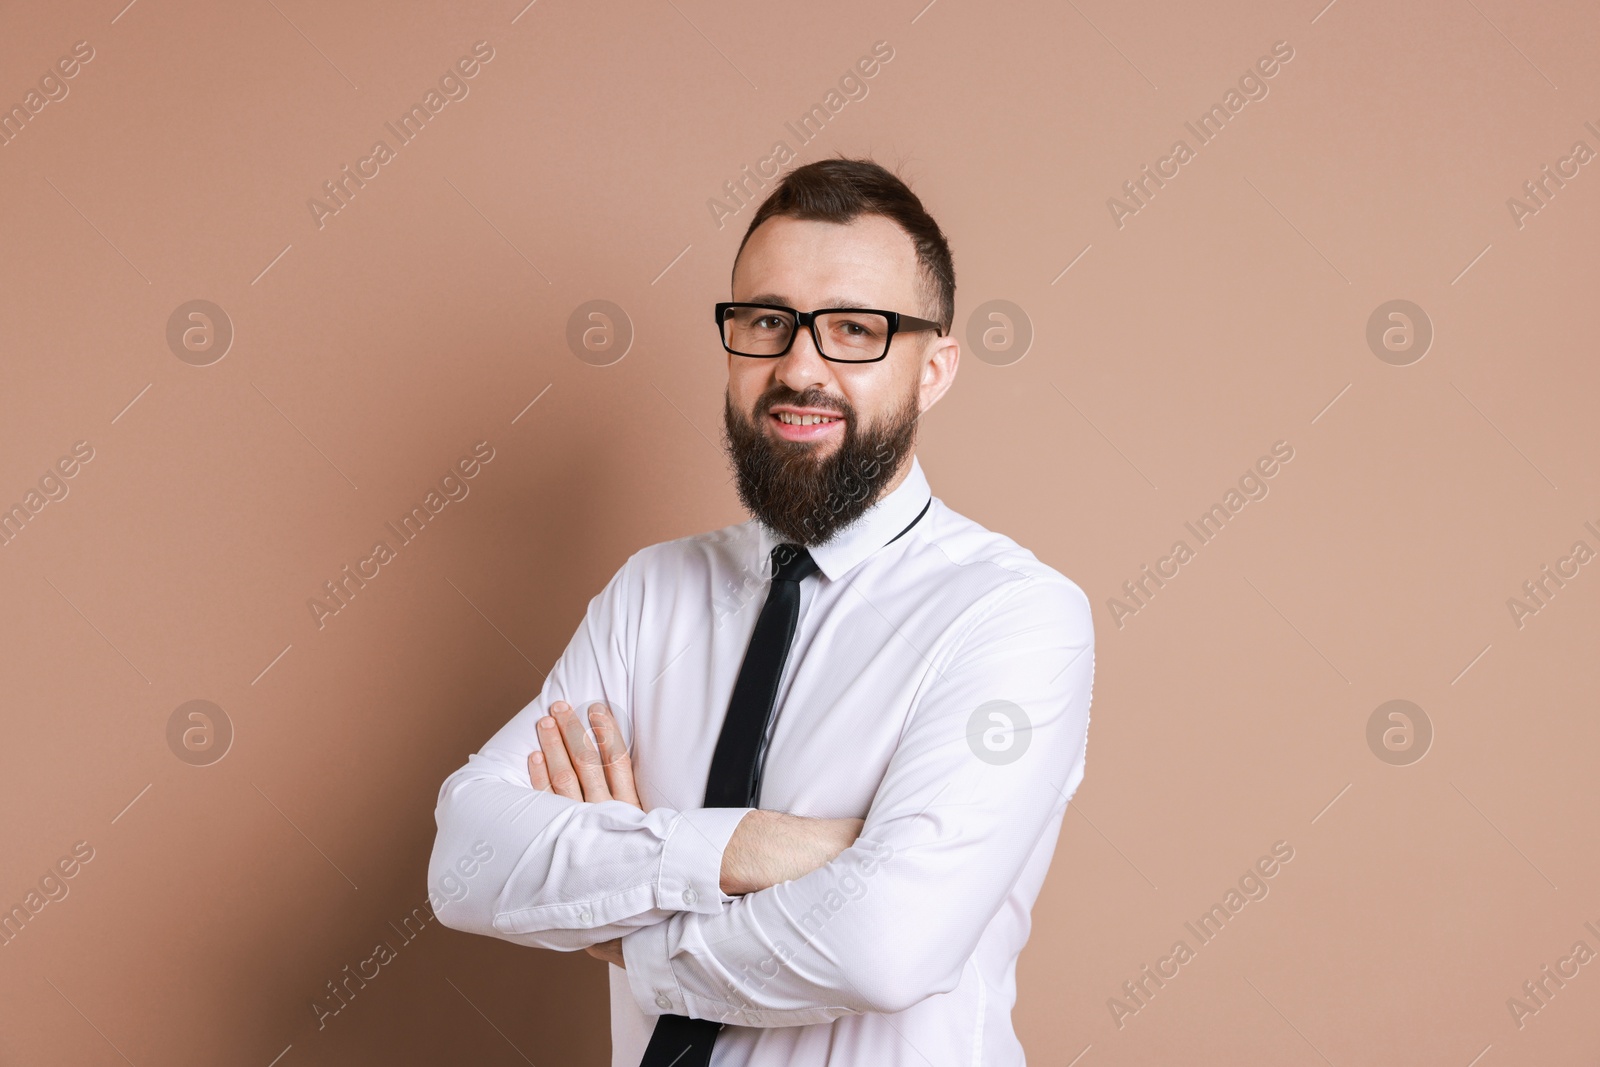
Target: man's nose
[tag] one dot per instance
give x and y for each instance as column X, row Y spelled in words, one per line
column 803, row 366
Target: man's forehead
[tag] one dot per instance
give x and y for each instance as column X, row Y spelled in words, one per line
column 826, row 264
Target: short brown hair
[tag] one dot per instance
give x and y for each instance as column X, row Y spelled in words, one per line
column 840, row 190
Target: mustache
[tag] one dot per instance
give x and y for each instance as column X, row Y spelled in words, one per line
column 810, row 398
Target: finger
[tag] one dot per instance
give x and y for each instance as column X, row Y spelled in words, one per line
column 614, row 755
column 585, row 760
column 537, row 774
column 563, row 780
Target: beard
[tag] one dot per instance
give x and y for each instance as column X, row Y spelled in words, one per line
column 803, row 498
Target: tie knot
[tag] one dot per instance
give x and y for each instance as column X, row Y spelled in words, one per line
column 791, row 563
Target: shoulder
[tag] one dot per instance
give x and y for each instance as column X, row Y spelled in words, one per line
column 1000, row 576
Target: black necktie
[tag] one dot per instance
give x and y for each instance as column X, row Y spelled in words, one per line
column 735, row 775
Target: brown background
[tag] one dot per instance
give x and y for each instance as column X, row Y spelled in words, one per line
column 1228, row 314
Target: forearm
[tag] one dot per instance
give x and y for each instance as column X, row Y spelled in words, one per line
column 771, row 847
column 802, row 952
column 766, row 849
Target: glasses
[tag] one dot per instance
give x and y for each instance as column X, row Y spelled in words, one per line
column 842, row 335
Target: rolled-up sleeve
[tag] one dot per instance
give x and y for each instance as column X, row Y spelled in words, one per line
column 993, row 751
column 560, row 873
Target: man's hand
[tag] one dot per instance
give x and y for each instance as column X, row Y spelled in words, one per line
column 567, row 764
column 610, row 951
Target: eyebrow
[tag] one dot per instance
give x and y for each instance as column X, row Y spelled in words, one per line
column 833, row 302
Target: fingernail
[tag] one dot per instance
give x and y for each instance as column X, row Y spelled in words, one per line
column 547, row 723
column 538, row 757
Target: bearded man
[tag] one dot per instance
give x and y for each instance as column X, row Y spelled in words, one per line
column 824, row 754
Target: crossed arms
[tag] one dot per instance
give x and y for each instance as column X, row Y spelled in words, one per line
column 757, row 918
column 767, row 847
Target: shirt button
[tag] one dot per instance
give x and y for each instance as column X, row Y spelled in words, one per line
column 690, row 896
column 663, row 1003
column 585, row 915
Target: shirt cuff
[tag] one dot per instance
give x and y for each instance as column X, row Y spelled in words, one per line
column 691, row 860
column 655, row 987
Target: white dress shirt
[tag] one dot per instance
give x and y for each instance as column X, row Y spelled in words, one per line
column 937, row 687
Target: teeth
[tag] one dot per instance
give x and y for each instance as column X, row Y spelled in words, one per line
column 803, row 420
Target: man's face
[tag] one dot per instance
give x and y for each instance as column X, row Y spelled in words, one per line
column 808, row 481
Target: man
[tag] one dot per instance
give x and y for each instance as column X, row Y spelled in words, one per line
column 831, row 747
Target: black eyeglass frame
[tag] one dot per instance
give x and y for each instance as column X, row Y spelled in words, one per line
column 897, row 323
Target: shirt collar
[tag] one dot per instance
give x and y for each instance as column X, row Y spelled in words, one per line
column 870, row 531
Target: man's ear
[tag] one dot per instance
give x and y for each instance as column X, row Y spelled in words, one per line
column 938, row 370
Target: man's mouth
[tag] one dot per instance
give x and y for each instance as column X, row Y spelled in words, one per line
column 804, row 425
